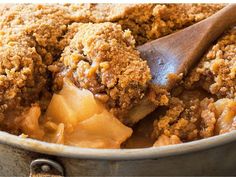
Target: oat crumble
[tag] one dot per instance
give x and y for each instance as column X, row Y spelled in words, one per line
column 94, row 45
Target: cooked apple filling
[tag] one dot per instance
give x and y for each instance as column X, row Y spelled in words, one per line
column 74, row 117
column 71, row 74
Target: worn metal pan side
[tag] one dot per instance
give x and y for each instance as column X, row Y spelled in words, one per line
column 212, row 156
column 114, row 154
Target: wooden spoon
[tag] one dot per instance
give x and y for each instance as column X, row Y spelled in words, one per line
column 178, row 52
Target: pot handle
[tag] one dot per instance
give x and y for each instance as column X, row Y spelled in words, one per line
column 45, row 168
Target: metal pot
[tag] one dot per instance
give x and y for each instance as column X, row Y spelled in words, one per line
column 211, row 156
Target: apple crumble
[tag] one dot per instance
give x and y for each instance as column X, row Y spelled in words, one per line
column 71, row 74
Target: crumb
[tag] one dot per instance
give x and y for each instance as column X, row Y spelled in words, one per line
column 102, row 58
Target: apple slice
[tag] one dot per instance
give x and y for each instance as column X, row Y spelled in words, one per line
column 86, row 122
column 226, row 114
column 30, row 123
column 100, row 131
column 80, row 100
column 60, row 111
column 72, row 105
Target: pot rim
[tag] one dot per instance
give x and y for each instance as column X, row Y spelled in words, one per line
column 114, row 154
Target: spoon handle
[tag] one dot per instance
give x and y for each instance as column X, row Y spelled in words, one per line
column 228, row 13
column 221, row 21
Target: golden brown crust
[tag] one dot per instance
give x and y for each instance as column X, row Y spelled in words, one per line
column 145, row 21
column 151, row 21
column 172, row 17
column 216, row 70
column 102, row 58
column 29, row 36
column 23, row 74
column 189, row 117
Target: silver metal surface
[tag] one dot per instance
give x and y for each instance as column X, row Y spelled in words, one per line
column 212, row 156
column 45, row 166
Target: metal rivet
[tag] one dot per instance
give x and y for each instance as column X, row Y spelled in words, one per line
column 45, row 168
column 39, row 166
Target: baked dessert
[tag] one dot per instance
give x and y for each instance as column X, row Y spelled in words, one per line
column 71, row 74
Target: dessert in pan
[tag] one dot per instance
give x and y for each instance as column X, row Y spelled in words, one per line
column 71, row 74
